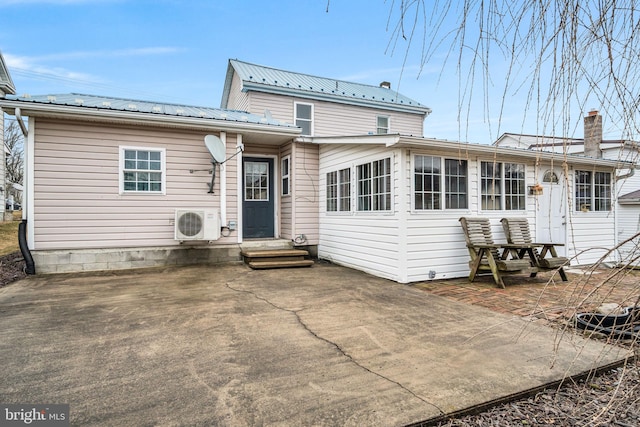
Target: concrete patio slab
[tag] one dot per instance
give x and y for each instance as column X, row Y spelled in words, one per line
column 230, row 346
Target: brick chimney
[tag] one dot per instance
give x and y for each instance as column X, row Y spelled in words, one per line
column 593, row 134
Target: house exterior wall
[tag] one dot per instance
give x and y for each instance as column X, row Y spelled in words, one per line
column 367, row 241
column 238, row 100
column 305, row 222
column 3, row 175
column 77, row 202
column 628, row 228
column 333, row 119
column 409, row 245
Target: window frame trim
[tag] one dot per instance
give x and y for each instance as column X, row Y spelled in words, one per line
column 287, row 176
column 443, row 191
column 356, row 182
column 121, row 170
column 312, row 120
column 503, row 194
column 592, row 197
column 388, row 124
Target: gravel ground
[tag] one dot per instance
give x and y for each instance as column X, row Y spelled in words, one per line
column 11, row 268
column 610, row 399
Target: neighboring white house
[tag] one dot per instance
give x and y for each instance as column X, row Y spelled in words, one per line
column 625, row 186
column 6, row 87
column 337, row 167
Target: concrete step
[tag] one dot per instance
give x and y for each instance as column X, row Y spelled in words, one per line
column 276, row 258
column 270, row 253
column 280, row 264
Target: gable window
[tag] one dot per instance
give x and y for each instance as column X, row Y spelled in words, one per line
column 285, row 172
column 383, row 125
column 593, row 191
column 142, row 170
column 374, row 185
column 339, row 191
column 304, row 117
column 437, row 180
column 502, row 186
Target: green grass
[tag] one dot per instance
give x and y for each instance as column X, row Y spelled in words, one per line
column 9, row 237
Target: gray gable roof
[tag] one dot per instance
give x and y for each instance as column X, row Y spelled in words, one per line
column 102, row 103
column 6, row 84
column 271, row 80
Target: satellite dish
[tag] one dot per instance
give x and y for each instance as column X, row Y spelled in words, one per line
column 215, row 147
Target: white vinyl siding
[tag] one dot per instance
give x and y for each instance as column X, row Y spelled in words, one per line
column 362, row 240
column 77, row 202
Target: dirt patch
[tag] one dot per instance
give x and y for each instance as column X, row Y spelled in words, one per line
column 11, row 268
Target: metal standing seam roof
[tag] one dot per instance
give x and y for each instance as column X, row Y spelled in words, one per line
column 149, row 107
column 268, row 79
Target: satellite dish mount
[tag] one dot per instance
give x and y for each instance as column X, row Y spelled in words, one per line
column 217, row 149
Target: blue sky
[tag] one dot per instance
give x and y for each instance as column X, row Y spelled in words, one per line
column 177, row 51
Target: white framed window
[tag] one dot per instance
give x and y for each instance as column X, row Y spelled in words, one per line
column 502, row 186
column 439, row 182
column 382, row 125
column 339, row 191
column 256, row 181
column 142, row 170
column 374, row 185
column 304, row 117
column 593, row 191
column 285, row 172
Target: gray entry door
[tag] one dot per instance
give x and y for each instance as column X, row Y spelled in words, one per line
column 258, row 206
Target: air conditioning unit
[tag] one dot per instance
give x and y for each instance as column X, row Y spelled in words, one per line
column 197, row 224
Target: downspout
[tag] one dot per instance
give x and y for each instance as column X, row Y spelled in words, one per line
column 30, row 266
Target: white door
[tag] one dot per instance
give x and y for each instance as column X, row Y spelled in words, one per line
column 552, row 210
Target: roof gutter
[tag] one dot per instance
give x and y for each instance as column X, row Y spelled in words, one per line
column 134, row 117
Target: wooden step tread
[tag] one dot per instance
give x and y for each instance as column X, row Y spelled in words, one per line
column 269, row 253
column 280, row 264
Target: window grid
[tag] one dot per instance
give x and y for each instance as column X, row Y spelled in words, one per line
column 583, row 190
column 344, row 190
column 142, row 171
column 382, row 125
column 455, row 174
column 490, row 182
column 332, row 191
column 602, row 191
column 427, row 182
column 593, row 191
column 374, row 186
column 304, row 118
column 256, row 181
column 285, row 167
column 514, row 186
column 502, row 186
